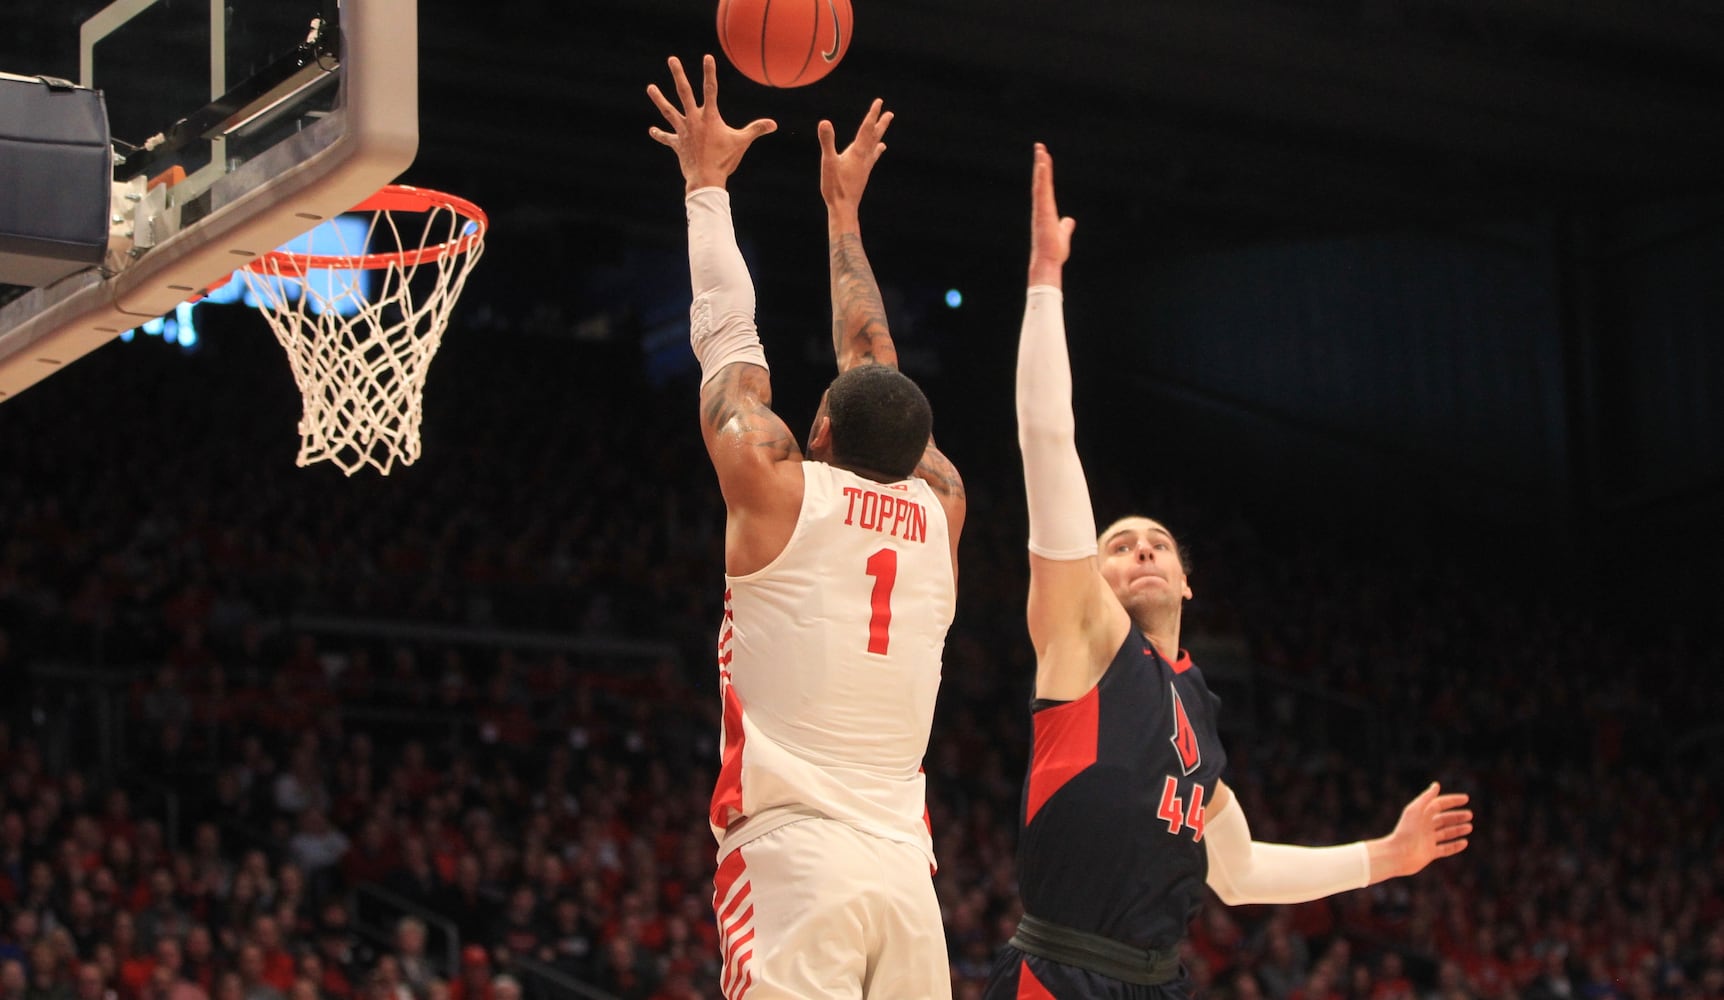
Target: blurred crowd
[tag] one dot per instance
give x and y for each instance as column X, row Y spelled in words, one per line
column 244, row 756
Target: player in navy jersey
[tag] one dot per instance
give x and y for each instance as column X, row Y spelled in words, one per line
column 1125, row 816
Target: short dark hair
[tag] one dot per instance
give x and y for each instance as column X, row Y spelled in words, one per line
column 1178, row 545
column 880, row 420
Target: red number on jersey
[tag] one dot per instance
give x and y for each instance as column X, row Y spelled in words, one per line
column 1173, row 809
column 1194, row 816
column 883, row 567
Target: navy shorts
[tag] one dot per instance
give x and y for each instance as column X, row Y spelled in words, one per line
column 1018, row 976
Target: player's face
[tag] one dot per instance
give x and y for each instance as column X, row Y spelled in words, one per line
column 1140, row 561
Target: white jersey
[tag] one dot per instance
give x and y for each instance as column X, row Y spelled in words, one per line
column 829, row 664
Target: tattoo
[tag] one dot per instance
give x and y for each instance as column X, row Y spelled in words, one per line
column 859, row 331
column 738, row 405
column 940, row 474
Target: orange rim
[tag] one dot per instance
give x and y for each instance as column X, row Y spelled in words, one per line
column 394, row 198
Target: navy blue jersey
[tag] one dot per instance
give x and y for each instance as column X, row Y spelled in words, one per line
column 1113, row 811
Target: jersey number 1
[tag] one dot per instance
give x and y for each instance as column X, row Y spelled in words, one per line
column 883, row 567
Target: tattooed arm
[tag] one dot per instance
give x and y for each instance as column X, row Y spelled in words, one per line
column 859, row 332
column 741, row 431
column 758, row 463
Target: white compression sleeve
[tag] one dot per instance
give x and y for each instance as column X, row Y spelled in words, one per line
column 1062, row 524
column 721, row 318
column 1243, row 871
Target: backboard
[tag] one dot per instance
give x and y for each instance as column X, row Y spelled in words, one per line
column 237, row 125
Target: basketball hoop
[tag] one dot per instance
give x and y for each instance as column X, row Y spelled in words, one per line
column 360, row 359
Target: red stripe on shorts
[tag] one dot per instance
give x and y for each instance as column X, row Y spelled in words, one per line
column 730, row 890
column 1029, row 987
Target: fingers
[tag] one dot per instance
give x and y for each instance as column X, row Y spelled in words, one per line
column 665, row 108
column 874, row 125
column 1454, row 800
column 1422, row 800
column 708, row 78
column 661, row 136
column 869, row 120
column 1448, row 823
column 1042, row 175
column 759, row 127
column 684, row 92
column 827, row 145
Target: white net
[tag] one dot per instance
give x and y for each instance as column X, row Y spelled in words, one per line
column 360, row 354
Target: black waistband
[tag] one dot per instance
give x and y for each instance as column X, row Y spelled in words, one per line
column 1095, row 953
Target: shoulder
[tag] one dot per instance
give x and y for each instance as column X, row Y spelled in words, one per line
column 942, row 477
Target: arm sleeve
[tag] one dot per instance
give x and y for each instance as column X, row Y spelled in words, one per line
column 1062, row 524
column 1243, row 871
column 721, row 317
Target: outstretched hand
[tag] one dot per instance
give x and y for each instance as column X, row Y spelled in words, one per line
column 706, row 148
column 1050, row 234
column 844, row 175
column 1432, row 826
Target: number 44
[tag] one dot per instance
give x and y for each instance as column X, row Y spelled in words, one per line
column 1177, row 815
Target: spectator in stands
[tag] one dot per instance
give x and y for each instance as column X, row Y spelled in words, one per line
column 254, row 974
column 45, row 982
column 166, row 983
column 90, row 984
column 467, row 903
column 198, row 964
column 625, row 971
column 474, row 980
column 318, row 847
column 13, row 980
column 230, row 985
column 163, row 917
column 416, row 971
column 519, row 929
column 301, row 786
column 386, row 978
column 416, row 878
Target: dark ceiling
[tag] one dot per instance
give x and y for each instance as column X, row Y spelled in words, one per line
column 1173, row 121
column 1170, row 119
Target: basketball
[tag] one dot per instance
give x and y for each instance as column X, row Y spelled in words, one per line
column 784, row 43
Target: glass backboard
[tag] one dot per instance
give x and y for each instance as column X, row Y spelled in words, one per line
column 238, row 125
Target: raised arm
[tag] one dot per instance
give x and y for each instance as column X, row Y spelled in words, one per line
column 859, row 332
column 1075, row 621
column 860, row 335
column 746, row 440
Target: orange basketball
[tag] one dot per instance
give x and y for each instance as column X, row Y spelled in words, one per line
column 784, row 43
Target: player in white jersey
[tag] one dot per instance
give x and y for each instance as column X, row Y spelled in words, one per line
column 840, row 574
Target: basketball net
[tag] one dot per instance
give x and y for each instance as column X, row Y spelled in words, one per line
column 360, row 360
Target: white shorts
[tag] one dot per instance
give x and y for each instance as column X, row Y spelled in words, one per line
column 819, row 909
